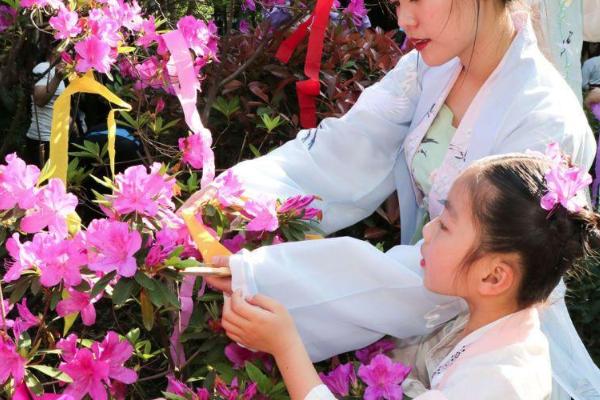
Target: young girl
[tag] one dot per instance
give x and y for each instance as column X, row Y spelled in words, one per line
column 511, row 227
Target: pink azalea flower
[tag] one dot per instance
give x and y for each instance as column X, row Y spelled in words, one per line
column 88, row 374
column 104, row 27
column 235, row 244
column 596, row 110
column 22, row 392
column 238, row 355
column 382, row 346
column 565, row 184
column 193, row 150
column 147, row 73
column 165, row 242
column 264, row 216
column 6, row 323
column 142, row 192
column 338, row 380
column 232, row 392
column 78, row 302
column 160, row 105
column 59, row 259
column 65, row 23
column 24, row 257
column 8, row 16
column 181, row 389
column 356, row 8
column 298, row 206
column 68, row 347
column 384, row 378
column 93, row 53
column 131, row 18
column 244, row 27
column 53, row 207
column 248, row 5
column 17, row 183
column 55, row 4
column 148, row 27
column 12, row 365
column 112, row 247
column 126, row 68
column 25, row 320
column 229, row 189
column 200, row 37
column 115, row 352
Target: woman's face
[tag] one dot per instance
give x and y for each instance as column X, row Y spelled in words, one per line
column 439, row 29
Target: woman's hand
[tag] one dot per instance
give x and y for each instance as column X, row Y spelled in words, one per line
column 260, row 323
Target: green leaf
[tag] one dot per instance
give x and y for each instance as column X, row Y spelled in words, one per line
column 227, row 108
column 52, row 372
column 133, row 335
column 144, row 280
column 225, row 370
column 168, row 296
column 33, row 383
column 19, row 290
column 122, row 291
column 254, row 150
column 101, row 284
column 171, row 396
column 263, row 381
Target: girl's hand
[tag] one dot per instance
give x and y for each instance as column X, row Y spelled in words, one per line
column 220, row 283
column 260, row 323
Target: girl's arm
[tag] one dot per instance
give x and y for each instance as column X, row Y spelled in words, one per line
column 263, row 324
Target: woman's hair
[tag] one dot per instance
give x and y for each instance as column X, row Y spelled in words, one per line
column 505, row 194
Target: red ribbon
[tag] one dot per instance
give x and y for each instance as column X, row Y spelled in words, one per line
column 308, row 90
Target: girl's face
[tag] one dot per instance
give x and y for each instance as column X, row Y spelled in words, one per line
column 439, row 29
column 447, row 241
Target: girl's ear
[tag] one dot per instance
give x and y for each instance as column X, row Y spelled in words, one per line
column 499, row 276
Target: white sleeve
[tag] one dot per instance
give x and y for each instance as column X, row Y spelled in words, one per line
column 344, row 293
column 346, row 161
column 585, row 74
column 591, row 20
column 320, row 392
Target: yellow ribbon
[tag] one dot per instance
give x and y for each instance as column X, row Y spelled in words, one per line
column 206, row 243
column 59, row 135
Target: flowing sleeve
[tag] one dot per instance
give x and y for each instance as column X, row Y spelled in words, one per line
column 348, row 162
column 320, row 392
column 344, row 293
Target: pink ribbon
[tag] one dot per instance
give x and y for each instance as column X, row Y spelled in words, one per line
column 186, row 90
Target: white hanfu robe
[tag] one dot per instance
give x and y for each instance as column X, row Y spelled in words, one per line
column 507, row 359
column 344, row 293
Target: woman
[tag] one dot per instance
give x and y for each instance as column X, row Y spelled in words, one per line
column 477, row 85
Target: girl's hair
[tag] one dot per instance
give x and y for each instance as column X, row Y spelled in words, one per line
column 505, row 195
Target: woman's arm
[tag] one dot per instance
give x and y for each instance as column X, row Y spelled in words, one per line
column 263, row 324
column 43, row 93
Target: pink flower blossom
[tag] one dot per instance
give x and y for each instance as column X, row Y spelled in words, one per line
column 8, row 16
column 357, row 10
column 338, row 380
column 235, row 244
column 298, row 206
column 65, row 23
column 93, row 53
column 55, row 4
column 104, row 27
column 384, row 378
column 25, row 320
column 200, row 37
column 181, row 389
column 148, row 27
column 22, row 392
column 112, row 247
column 59, row 259
column 232, row 392
column 6, row 323
column 17, row 183
column 238, row 355
column 160, row 105
column 264, row 215
column 115, row 352
column 88, row 374
column 78, row 302
column 244, row 27
column 92, row 369
column 126, row 68
column 148, row 74
column 565, row 183
column 194, row 150
column 25, row 256
column 53, row 207
column 248, row 5
column 229, row 189
column 142, row 192
column 12, row 365
column 131, row 18
column 382, row 346
column 596, row 110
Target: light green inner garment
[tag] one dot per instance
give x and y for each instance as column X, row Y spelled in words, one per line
column 429, row 158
